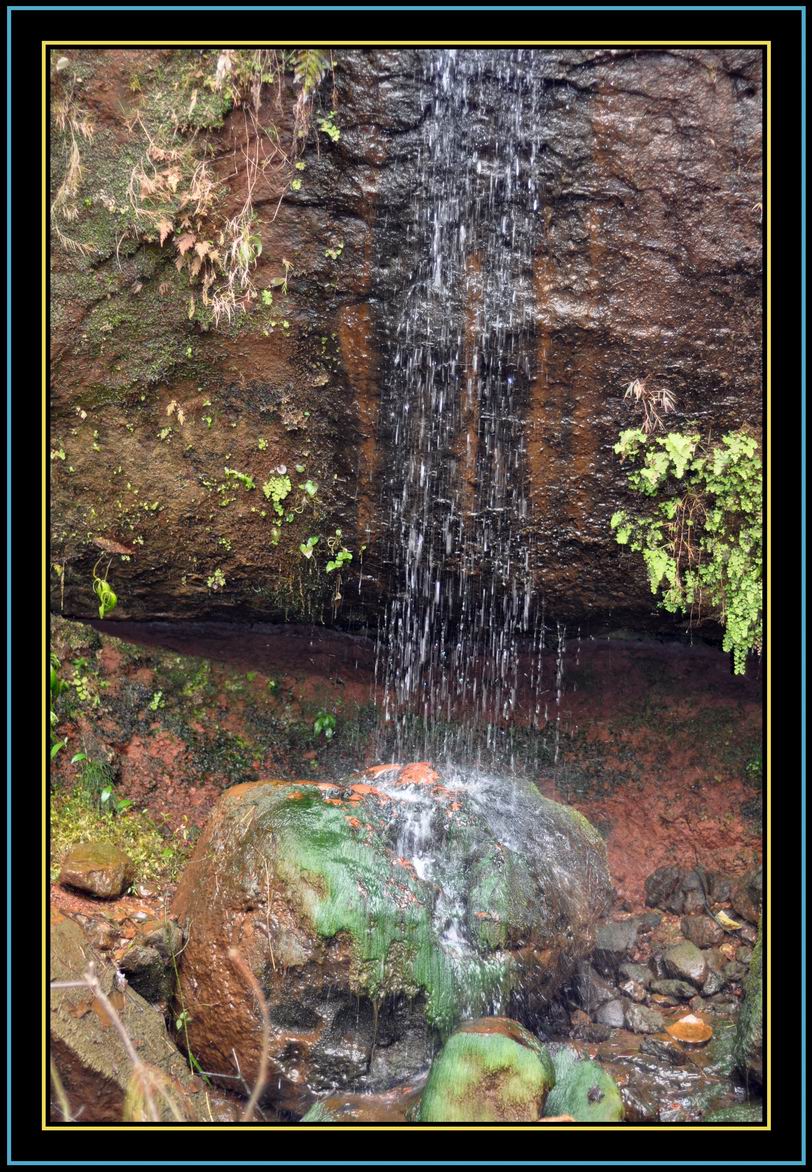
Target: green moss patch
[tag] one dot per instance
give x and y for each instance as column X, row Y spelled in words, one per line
column 488, row 1077
column 583, row 1090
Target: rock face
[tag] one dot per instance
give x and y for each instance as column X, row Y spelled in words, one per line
column 376, row 915
column 490, row 1071
column 646, row 265
column 90, row 1057
column 98, row 868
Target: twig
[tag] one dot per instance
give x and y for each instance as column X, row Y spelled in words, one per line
column 59, row 1091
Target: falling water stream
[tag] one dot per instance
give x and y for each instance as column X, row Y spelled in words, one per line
column 459, row 370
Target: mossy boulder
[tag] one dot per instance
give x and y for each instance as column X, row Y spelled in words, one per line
column 376, row 914
column 490, row 1071
column 583, row 1090
column 749, row 1038
column 97, row 868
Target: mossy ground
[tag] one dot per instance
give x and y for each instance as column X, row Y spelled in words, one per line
column 158, row 854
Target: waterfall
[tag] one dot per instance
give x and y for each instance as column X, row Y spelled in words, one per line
column 455, row 390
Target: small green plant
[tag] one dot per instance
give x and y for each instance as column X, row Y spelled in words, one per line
column 700, row 532
column 307, row 547
column 340, row 554
column 324, row 723
column 157, row 701
column 245, row 480
column 216, row 581
column 104, row 592
column 328, row 126
column 335, row 252
column 276, row 489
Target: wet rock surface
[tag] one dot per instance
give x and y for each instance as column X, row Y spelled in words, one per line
column 97, row 868
column 336, row 898
column 647, row 265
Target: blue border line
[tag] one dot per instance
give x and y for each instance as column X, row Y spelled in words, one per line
column 803, row 576
column 8, row 566
column 409, row 8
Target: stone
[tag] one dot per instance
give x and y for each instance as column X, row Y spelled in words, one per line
column 592, row 989
column 364, row 957
column 615, row 940
column 642, row 1019
column 395, row 1106
column 690, row 1030
column 661, row 885
column 664, row 1049
column 583, row 1090
column 592, row 1032
column 633, row 990
column 164, row 935
column 148, row 972
column 636, row 972
column 749, row 1030
column 92, row 1063
column 648, row 921
column 611, row 1014
column 714, row 983
column 746, row 896
column 97, row 868
column 686, row 963
column 749, row 1112
column 703, row 931
column 672, row 987
column 678, row 890
column 489, row 1071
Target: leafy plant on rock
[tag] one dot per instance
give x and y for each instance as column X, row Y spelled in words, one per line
column 700, row 529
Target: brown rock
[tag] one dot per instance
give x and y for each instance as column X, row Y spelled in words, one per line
column 89, row 1055
column 703, row 931
column 97, row 868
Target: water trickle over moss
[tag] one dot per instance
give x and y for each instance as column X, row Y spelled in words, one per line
column 345, row 881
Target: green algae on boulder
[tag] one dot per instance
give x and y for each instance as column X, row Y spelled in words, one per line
column 376, row 914
column 489, row 1071
column 584, row 1090
column 749, row 1039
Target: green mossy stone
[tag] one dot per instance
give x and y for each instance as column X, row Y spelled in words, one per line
column 749, row 1038
column 318, row 1113
column 583, row 1090
column 740, row 1113
column 488, row 1077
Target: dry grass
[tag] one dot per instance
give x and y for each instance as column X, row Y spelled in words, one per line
column 653, row 404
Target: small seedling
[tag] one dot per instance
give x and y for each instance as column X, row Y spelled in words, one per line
column 325, row 723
